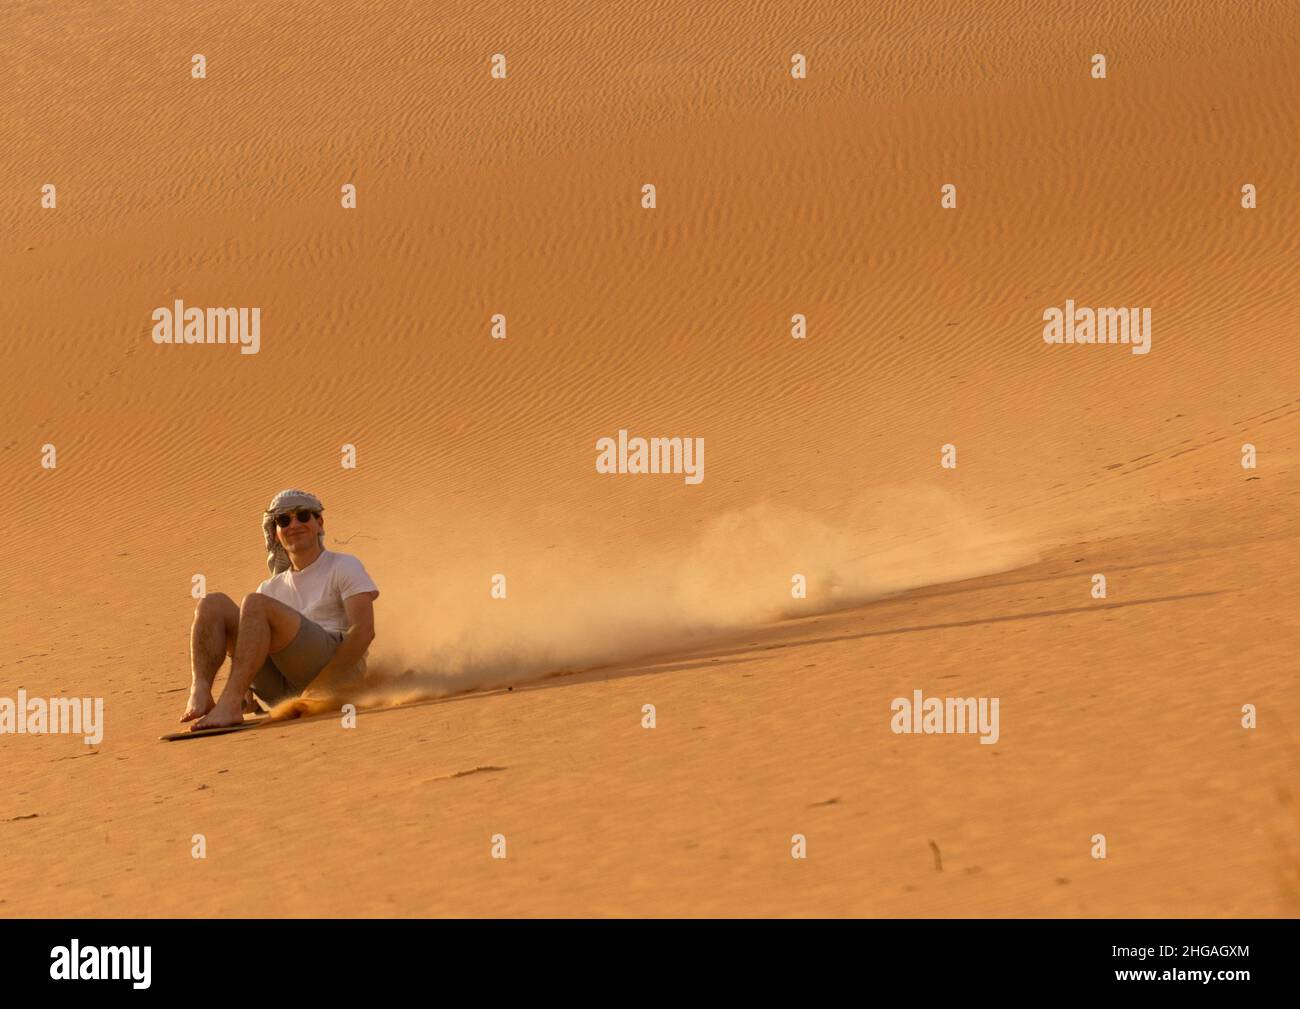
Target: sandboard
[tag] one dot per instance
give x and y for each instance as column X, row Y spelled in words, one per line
column 248, row 723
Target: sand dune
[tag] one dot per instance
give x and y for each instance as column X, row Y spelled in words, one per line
column 475, row 456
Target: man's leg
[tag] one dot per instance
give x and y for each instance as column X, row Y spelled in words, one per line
column 265, row 626
column 212, row 637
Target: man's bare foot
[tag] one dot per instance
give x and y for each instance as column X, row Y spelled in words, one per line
column 199, row 704
column 251, row 707
column 222, row 714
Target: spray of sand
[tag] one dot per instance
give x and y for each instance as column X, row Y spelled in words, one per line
column 567, row 610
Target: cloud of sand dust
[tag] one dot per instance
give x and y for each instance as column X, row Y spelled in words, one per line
column 568, row 610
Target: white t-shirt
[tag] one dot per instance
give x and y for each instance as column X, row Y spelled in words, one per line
column 318, row 590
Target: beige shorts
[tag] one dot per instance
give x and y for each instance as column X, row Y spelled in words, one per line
column 287, row 672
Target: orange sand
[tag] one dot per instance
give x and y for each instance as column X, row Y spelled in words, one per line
column 475, row 456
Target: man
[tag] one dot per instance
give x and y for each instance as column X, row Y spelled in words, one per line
column 306, row 627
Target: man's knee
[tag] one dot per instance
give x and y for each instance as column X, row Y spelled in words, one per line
column 213, row 605
column 260, row 606
column 254, row 602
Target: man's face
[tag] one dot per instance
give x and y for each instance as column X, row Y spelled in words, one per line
column 298, row 535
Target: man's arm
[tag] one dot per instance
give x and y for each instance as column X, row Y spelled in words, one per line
column 361, row 631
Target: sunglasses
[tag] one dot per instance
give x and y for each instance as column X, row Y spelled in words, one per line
column 284, row 519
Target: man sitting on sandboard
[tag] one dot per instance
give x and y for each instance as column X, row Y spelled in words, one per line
column 308, row 626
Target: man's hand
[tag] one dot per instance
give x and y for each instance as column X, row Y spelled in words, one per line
column 361, row 631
